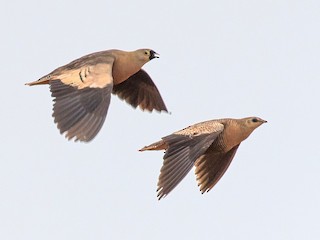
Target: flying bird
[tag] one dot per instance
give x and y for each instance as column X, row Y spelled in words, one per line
column 82, row 89
column 209, row 146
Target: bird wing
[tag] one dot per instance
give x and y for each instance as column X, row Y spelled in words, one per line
column 82, row 97
column 211, row 166
column 139, row 90
column 182, row 152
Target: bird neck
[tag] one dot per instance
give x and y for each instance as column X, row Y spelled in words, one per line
column 132, row 66
column 233, row 135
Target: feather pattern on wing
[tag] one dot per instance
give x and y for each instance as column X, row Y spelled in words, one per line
column 211, row 166
column 79, row 113
column 182, row 152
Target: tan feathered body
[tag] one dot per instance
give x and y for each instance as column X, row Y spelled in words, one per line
column 235, row 131
column 209, row 146
column 121, row 73
column 123, row 64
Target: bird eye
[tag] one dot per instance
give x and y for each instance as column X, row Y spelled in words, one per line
column 254, row 120
column 146, row 52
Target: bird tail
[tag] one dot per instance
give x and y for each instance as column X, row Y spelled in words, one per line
column 160, row 145
column 43, row 80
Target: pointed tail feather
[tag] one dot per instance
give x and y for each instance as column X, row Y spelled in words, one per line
column 160, row 145
column 43, row 80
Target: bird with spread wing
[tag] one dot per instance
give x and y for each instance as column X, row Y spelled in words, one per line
column 82, row 89
column 209, row 146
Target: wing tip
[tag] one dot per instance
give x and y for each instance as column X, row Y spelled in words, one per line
column 160, row 193
column 153, row 109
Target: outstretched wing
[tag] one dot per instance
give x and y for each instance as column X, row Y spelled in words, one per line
column 182, row 152
column 139, row 90
column 211, row 166
column 82, row 97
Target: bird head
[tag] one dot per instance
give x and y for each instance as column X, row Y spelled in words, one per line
column 251, row 123
column 145, row 55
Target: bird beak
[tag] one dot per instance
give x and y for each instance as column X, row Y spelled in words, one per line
column 263, row 121
column 153, row 55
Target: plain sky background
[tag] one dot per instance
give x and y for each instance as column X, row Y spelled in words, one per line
column 218, row 59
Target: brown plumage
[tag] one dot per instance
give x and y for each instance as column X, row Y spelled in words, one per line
column 209, row 146
column 82, row 89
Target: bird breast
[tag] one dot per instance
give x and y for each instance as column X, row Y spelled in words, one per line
column 124, row 67
column 230, row 137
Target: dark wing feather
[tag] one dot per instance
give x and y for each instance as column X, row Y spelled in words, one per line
column 211, row 166
column 139, row 90
column 182, row 152
column 79, row 112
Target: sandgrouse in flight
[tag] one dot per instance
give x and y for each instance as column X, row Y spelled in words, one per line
column 82, row 89
column 209, row 146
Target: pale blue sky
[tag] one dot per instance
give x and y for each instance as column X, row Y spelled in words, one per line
column 218, row 59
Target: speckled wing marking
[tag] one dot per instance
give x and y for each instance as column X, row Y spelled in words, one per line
column 82, row 101
column 206, row 127
column 211, row 166
column 139, row 90
column 182, row 152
